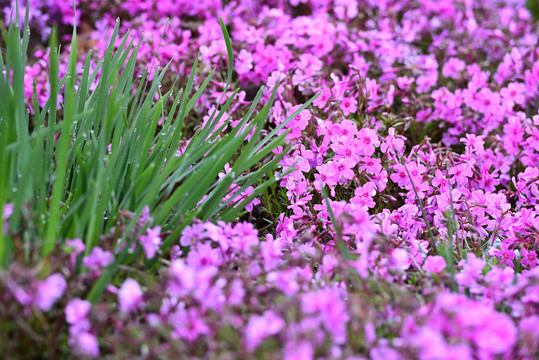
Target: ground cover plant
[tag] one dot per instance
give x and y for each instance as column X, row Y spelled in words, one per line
column 297, row 179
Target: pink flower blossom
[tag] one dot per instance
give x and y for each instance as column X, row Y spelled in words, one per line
column 434, row 264
column 77, row 310
column 260, row 327
column 86, row 344
column 151, row 241
column 348, row 106
column 50, row 291
column 505, row 254
column 129, row 296
column 98, row 259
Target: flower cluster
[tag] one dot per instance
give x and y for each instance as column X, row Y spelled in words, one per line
column 407, row 226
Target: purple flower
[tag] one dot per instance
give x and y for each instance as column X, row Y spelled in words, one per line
column 260, row 327
column 129, row 296
column 144, row 216
column 87, row 344
column 76, row 247
column 98, row 259
column 400, row 259
column 505, row 254
column 497, row 334
column 50, row 290
column 348, row 105
column 188, row 324
column 151, row 241
column 302, row 350
column 434, row 264
column 77, row 310
column 7, row 211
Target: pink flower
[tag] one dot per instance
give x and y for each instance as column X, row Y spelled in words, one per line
column 461, row 173
column 151, row 241
column 86, row 344
column 371, row 165
column 475, row 143
column 514, row 93
column 50, row 290
column 298, row 123
column 345, row 168
column 271, row 250
column 533, row 140
column 144, row 216
column 188, row 324
column 260, row 327
column 302, row 350
column 434, row 264
column 7, row 211
column 363, row 195
column 440, row 181
column 129, row 296
column 497, row 334
column 326, row 176
column 322, row 100
column 348, row 105
column 76, row 248
column 327, row 306
column 98, row 259
column 368, row 139
column 392, row 143
column 529, row 258
column 245, row 237
column 453, row 67
column 77, row 310
column 505, row 254
column 400, row 176
column 400, row 259
column 195, row 232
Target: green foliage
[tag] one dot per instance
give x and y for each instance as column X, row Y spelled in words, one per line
column 533, row 6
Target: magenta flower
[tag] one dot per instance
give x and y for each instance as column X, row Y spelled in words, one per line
column 98, row 259
column 76, row 247
column 50, row 291
column 363, row 195
column 368, row 139
column 528, row 258
column 195, row 232
column 344, row 168
column 188, row 324
column 151, row 241
column 322, row 100
column 460, row 174
column 245, row 237
column 496, row 334
column 7, row 211
column 129, row 296
column 514, row 93
column 260, row 327
column 434, row 264
column 301, row 350
column 86, row 344
column 533, row 139
column 144, row 216
column 400, row 176
column 453, row 67
column 348, row 106
column 505, row 254
column 400, row 259
column 77, row 310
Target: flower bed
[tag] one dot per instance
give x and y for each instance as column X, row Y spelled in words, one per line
column 399, row 219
